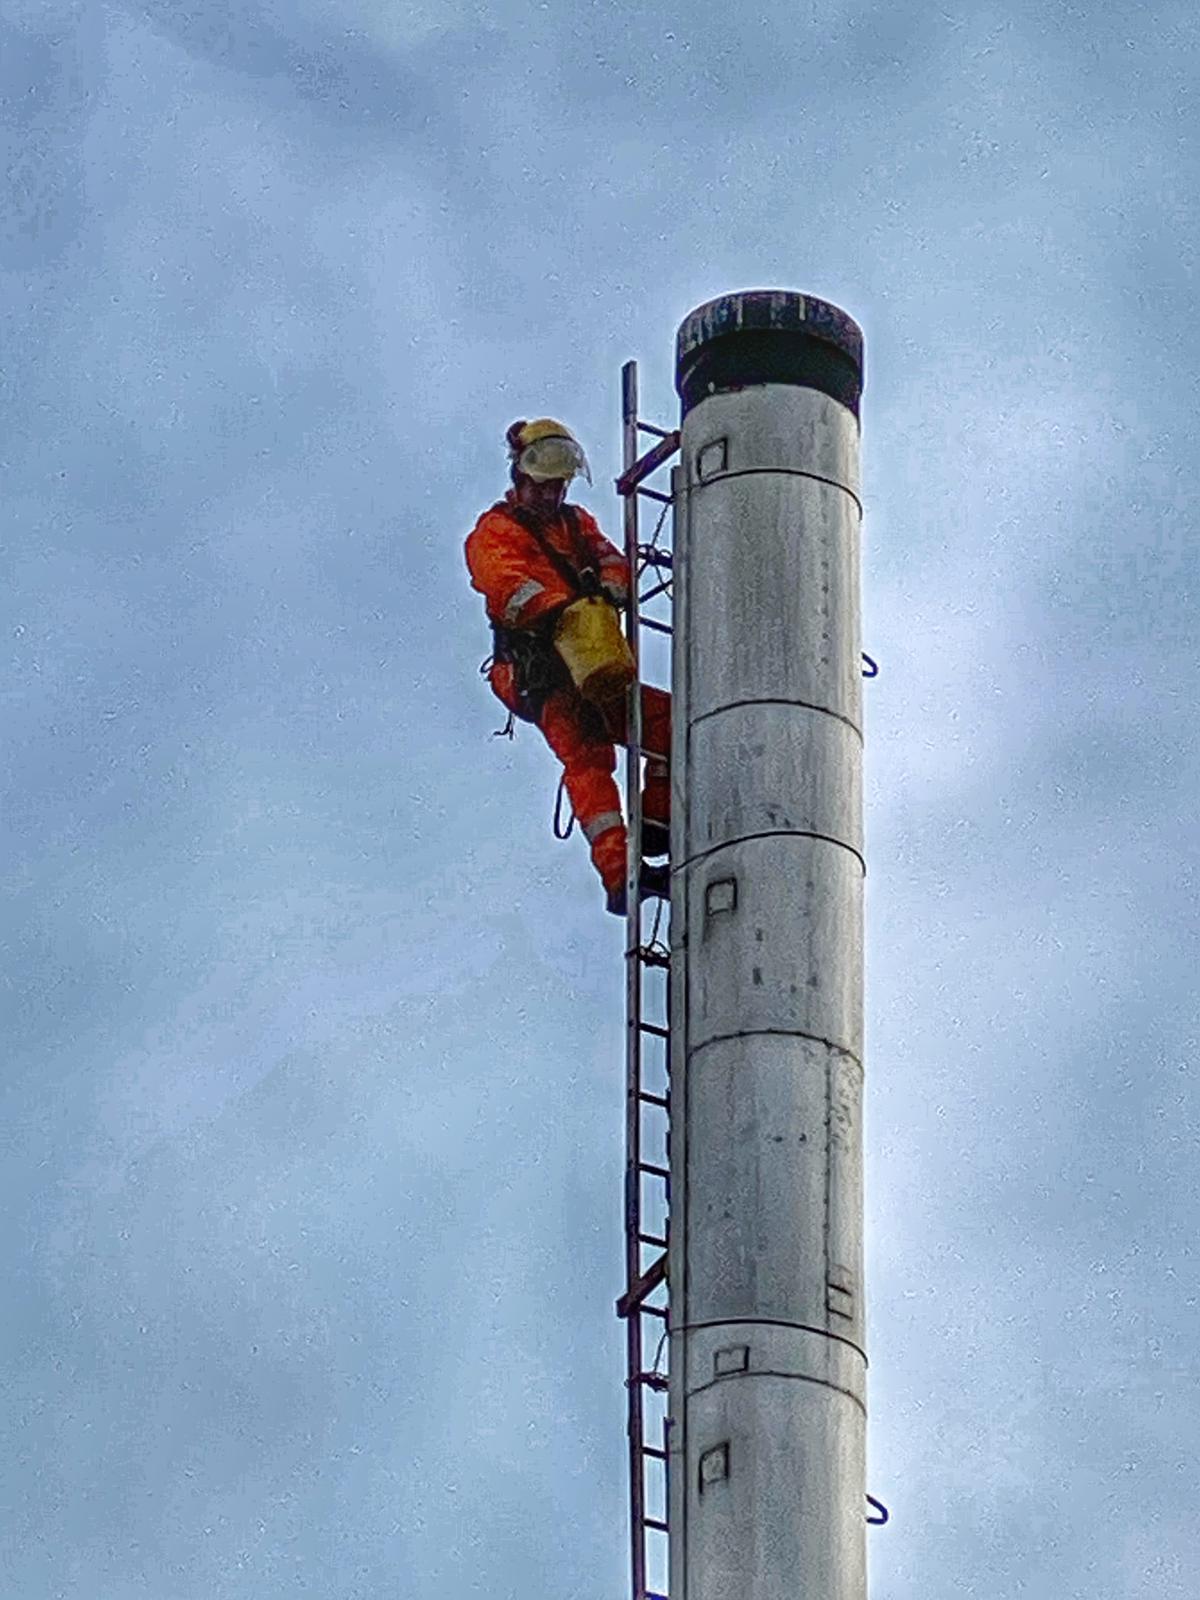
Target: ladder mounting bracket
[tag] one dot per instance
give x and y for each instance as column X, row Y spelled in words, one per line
column 645, row 1285
column 650, row 462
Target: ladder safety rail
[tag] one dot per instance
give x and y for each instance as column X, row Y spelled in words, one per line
column 644, row 953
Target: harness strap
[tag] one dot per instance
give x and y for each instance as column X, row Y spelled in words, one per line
column 537, row 670
column 572, row 576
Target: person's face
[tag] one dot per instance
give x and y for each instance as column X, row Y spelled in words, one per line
column 547, row 497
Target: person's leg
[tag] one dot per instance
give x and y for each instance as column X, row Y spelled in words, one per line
column 589, row 761
column 656, row 789
column 656, row 722
column 656, row 747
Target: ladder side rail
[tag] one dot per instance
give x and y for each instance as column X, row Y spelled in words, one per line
column 640, row 1280
column 633, row 1000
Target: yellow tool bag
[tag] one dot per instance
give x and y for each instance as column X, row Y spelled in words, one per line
column 594, row 651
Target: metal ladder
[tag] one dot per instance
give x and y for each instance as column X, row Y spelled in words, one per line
column 647, row 1049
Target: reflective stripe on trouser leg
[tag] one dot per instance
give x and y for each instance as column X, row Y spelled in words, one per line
column 601, row 824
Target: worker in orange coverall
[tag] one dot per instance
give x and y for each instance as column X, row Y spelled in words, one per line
column 531, row 556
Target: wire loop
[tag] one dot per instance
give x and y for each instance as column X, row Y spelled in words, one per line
column 559, row 832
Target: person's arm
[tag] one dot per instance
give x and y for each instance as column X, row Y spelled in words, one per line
column 520, row 586
column 611, row 566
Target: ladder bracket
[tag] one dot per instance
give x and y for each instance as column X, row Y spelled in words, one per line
column 659, row 1382
column 645, row 1285
column 650, row 462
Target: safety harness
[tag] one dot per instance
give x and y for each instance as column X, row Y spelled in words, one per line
column 537, row 669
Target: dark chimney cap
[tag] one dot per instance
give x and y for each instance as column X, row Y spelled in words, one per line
column 768, row 336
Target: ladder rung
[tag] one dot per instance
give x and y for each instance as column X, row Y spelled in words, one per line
column 652, row 1238
column 654, row 1311
column 653, row 494
column 653, row 1027
column 656, row 627
column 653, row 958
column 654, row 1172
column 653, row 594
column 656, row 1523
column 653, row 1450
column 654, row 1099
column 650, row 427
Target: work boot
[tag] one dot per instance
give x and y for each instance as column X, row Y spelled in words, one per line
column 656, row 837
column 653, row 879
column 617, row 901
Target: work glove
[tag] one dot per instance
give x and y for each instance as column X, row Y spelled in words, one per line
column 593, row 589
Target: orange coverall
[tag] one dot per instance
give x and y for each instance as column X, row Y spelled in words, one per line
column 522, row 588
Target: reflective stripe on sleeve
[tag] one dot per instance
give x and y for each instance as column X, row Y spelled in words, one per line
column 601, row 824
column 521, row 598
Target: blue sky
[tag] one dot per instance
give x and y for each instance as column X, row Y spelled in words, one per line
column 311, row 1111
